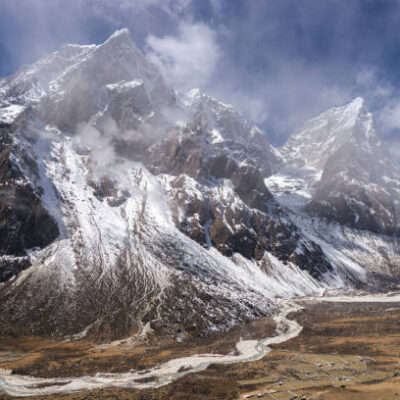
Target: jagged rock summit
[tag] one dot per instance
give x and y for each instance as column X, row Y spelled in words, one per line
column 313, row 144
column 359, row 185
column 129, row 208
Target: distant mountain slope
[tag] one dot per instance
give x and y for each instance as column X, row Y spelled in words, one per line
column 359, row 185
column 128, row 209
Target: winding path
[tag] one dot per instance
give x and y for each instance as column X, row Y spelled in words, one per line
column 249, row 350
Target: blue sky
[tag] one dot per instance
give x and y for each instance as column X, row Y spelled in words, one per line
column 279, row 62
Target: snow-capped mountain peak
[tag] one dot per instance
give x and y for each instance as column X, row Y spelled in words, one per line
column 354, row 106
column 121, row 35
column 313, row 144
column 344, row 168
column 72, row 81
column 128, row 205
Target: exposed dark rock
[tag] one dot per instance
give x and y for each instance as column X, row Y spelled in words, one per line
column 12, row 266
column 353, row 192
column 24, row 222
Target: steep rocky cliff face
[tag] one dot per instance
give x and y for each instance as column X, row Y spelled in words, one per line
column 127, row 208
column 359, row 186
column 24, row 221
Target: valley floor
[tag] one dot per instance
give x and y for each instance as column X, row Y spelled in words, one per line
column 346, row 350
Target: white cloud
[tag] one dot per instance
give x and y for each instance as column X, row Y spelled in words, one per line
column 252, row 106
column 366, row 76
column 393, row 144
column 189, row 59
column 390, row 115
column 388, row 118
column 255, row 108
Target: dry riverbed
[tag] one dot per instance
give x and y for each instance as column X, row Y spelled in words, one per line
column 346, row 351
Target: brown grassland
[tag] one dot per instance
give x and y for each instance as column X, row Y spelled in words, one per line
column 345, row 351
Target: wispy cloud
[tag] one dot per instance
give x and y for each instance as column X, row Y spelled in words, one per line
column 279, row 62
column 189, row 59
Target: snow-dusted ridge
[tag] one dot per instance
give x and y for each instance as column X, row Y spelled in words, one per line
column 130, row 206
